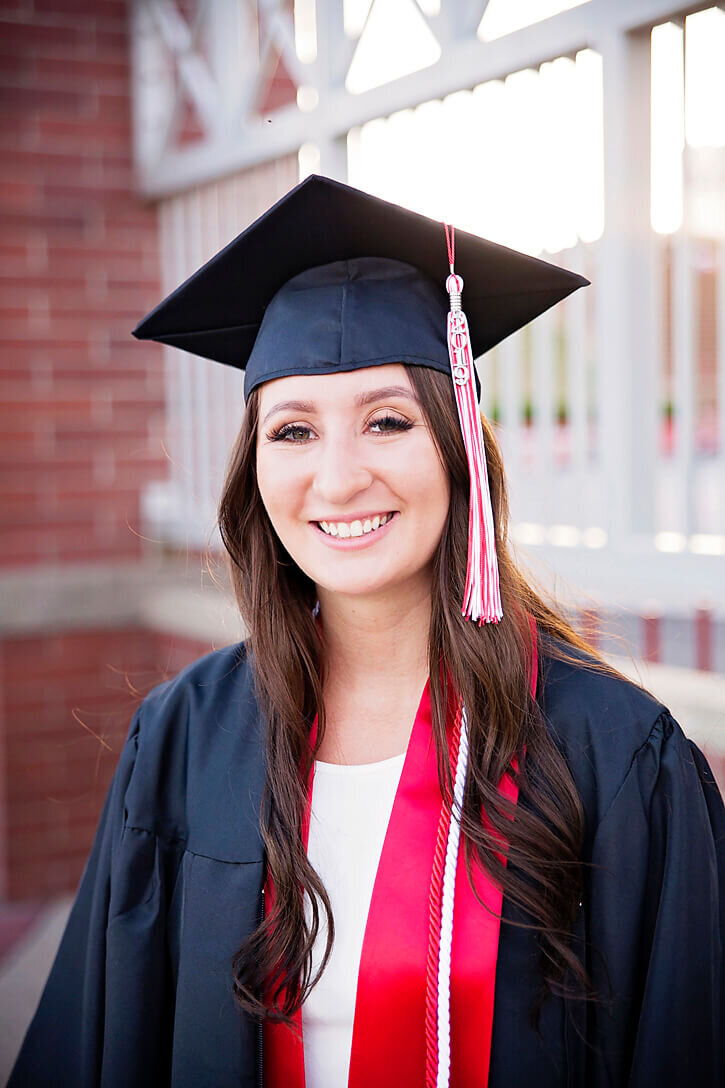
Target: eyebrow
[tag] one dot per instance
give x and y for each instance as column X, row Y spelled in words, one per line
column 360, row 400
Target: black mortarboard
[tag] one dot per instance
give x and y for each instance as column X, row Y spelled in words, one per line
column 360, row 311
column 333, row 279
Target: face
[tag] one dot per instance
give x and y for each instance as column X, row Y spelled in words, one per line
column 351, row 479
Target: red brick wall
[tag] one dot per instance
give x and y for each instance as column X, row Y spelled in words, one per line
column 68, row 700
column 81, row 419
column 82, row 411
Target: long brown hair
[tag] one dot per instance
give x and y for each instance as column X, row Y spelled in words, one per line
column 489, row 669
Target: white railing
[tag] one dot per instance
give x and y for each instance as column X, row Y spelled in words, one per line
column 557, row 467
column 205, row 401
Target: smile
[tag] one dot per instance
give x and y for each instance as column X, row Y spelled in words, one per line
column 346, row 529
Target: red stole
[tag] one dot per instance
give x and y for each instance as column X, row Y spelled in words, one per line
column 388, row 1041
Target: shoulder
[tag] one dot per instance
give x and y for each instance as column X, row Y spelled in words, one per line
column 219, row 675
column 601, row 721
column 199, row 767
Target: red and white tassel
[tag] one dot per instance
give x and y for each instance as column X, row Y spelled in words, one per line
column 482, row 599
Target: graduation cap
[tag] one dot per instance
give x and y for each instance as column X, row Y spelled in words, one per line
column 332, row 279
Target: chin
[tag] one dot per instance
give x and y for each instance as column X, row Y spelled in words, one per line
column 376, row 586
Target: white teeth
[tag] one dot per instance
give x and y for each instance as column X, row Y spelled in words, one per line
column 355, row 528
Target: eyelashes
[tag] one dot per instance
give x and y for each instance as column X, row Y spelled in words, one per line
column 297, row 433
column 286, row 432
column 392, row 423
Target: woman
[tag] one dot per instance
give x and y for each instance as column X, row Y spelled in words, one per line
column 487, row 857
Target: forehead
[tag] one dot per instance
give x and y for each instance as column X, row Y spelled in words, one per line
column 341, row 390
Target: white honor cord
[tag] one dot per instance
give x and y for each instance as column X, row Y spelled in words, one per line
column 449, row 891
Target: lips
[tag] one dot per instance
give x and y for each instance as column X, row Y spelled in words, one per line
column 355, row 527
column 361, row 539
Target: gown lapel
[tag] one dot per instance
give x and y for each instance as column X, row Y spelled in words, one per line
column 388, row 1041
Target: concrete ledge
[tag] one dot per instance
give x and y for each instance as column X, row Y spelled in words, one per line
column 635, row 579
column 204, row 614
column 42, row 600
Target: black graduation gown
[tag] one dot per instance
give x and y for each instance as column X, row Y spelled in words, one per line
column 140, row 992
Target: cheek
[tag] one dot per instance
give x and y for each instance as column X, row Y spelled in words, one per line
column 278, row 489
column 429, row 483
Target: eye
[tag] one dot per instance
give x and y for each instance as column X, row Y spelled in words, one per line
column 290, row 432
column 389, row 424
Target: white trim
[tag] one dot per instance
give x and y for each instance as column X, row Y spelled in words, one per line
column 447, row 905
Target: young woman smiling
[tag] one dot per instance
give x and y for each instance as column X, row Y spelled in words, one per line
column 393, row 838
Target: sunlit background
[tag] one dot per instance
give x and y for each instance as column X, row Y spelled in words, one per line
column 529, row 148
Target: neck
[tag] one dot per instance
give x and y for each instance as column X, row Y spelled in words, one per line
column 375, row 642
column 376, row 657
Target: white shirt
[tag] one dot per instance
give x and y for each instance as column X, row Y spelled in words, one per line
column 350, row 811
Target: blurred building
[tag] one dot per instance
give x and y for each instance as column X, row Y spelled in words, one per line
column 138, row 137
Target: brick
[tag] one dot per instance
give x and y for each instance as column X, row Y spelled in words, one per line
column 108, row 375
column 113, row 107
column 125, row 305
column 19, row 444
column 59, row 522
column 23, row 279
column 16, row 67
column 31, row 162
column 52, row 220
column 67, row 133
column 19, row 196
column 17, row 8
column 70, row 464
column 81, row 819
column 78, row 407
column 76, row 38
column 13, row 313
column 111, row 42
column 43, row 347
column 63, row 253
column 112, row 73
column 44, row 877
column 70, row 9
column 17, row 131
column 88, row 644
column 126, row 547
column 105, row 713
column 20, row 501
column 78, row 501
column 70, row 103
column 17, row 251
column 60, row 193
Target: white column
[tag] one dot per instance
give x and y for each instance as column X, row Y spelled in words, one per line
column 721, row 383
column 684, row 346
column 626, row 312
column 334, row 53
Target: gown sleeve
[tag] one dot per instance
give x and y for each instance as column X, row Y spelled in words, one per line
column 100, row 1020
column 656, row 921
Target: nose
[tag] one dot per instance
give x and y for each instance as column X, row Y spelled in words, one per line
column 340, row 473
